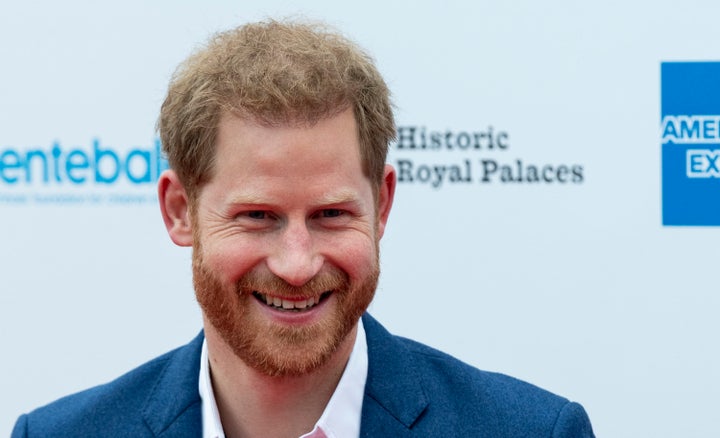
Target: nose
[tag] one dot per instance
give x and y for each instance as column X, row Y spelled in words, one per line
column 294, row 257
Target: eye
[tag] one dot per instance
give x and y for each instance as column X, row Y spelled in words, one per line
column 331, row 212
column 257, row 214
column 255, row 220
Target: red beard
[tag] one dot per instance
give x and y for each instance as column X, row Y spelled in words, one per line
column 267, row 347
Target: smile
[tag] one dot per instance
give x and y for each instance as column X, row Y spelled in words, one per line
column 290, row 305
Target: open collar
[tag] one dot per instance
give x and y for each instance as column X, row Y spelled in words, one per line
column 394, row 396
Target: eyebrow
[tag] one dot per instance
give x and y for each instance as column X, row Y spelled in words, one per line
column 246, row 198
column 342, row 196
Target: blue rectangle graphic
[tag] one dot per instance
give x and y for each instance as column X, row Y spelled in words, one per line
column 690, row 129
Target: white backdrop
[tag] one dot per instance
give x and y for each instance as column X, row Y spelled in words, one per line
column 573, row 286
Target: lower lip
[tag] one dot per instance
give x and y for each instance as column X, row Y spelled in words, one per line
column 296, row 318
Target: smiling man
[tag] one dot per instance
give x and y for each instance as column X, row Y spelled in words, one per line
column 277, row 135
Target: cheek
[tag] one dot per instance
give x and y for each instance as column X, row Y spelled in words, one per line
column 230, row 259
column 356, row 257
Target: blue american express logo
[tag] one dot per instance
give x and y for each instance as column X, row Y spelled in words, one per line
column 690, row 131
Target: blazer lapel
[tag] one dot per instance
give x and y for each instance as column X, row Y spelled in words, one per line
column 394, row 397
column 173, row 408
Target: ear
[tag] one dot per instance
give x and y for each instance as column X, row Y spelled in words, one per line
column 386, row 194
column 175, row 210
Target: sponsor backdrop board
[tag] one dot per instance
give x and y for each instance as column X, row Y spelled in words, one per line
column 556, row 214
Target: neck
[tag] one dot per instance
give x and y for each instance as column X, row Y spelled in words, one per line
column 253, row 404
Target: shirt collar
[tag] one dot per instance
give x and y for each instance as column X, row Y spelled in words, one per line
column 341, row 417
column 211, row 425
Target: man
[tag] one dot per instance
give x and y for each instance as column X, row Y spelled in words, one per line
column 277, row 134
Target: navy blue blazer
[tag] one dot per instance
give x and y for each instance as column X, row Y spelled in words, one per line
column 412, row 391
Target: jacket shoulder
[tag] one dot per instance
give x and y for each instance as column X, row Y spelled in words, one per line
column 119, row 405
column 483, row 401
column 416, row 390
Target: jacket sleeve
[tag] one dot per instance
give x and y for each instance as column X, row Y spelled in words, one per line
column 573, row 422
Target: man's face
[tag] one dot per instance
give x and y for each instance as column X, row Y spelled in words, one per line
column 285, row 238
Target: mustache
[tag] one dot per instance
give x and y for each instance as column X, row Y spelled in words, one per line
column 268, row 283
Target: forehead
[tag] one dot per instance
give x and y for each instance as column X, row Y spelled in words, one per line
column 252, row 139
column 261, row 157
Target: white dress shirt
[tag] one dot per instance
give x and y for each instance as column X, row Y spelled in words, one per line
column 341, row 417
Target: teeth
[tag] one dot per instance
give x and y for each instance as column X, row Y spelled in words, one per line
column 288, row 304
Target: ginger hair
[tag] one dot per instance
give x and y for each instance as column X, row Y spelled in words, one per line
column 274, row 73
